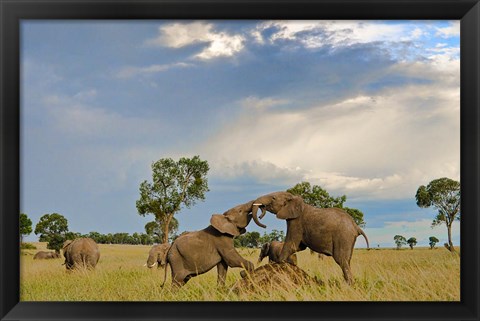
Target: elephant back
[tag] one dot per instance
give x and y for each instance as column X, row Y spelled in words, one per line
column 81, row 251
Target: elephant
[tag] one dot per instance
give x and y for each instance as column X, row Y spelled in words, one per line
column 81, row 252
column 157, row 255
column 273, row 250
column 198, row 252
column 330, row 231
column 43, row 255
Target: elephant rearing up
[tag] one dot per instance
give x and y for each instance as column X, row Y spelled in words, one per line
column 198, row 252
column 330, row 231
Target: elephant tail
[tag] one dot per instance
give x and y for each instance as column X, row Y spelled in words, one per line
column 361, row 232
column 166, row 268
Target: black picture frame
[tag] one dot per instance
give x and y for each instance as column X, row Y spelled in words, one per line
column 13, row 11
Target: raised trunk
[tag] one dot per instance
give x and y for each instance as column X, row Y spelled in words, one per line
column 254, row 214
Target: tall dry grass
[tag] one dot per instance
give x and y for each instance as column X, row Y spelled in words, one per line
column 380, row 275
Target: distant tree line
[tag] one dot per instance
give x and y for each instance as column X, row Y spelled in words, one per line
column 254, row 240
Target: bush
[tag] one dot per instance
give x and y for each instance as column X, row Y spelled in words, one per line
column 27, row 246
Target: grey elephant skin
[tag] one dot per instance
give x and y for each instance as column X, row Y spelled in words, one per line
column 157, row 255
column 195, row 253
column 273, row 250
column 330, row 231
column 81, row 253
column 45, row 255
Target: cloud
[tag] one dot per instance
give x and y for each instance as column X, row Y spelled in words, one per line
column 315, row 34
column 253, row 102
column 379, row 146
column 217, row 44
column 452, row 30
column 83, row 122
column 130, row 71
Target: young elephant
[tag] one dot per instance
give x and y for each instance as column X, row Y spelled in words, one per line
column 330, row 231
column 44, row 255
column 273, row 250
column 198, row 252
column 81, row 252
column 157, row 255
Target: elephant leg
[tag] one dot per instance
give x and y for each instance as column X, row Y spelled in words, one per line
column 288, row 249
column 231, row 257
column 222, row 269
column 179, row 279
column 344, row 264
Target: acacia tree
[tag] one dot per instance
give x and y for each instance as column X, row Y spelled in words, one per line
column 399, row 240
column 53, row 228
column 444, row 195
column 173, row 184
column 433, row 241
column 318, row 197
column 25, row 225
column 412, row 242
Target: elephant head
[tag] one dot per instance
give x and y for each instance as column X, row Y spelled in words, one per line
column 264, row 252
column 284, row 204
column 234, row 221
column 157, row 255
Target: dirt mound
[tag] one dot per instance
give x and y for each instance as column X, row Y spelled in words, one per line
column 274, row 275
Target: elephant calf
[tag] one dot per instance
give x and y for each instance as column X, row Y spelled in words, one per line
column 198, row 252
column 157, row 255
column 273, row 250
column 81, row 253
column 44, row 255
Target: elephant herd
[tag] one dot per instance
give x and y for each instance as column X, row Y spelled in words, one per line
column 81, row 252
column 327, row 231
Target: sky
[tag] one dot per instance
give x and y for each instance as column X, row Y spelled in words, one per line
column 366, row 109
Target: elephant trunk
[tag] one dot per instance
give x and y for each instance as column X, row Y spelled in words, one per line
column 255, row 207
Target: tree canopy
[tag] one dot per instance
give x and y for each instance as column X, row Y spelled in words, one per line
column 433, row 241
column 25, row 225
column 412, row 242
column 399, row 241
column 318, row 197
column 444, row 195
column 174, row 183
column 52, row 229
column 254, row 240
column 156, row 229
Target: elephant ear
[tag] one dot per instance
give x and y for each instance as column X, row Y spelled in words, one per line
column 66, row 244
column 223, row 225
column 266, row 248
column 292, row 209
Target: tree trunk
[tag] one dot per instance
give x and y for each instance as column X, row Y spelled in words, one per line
column 166, row 228
column 450, row 244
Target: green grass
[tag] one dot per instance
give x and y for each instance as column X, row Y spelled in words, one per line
column 380, row 275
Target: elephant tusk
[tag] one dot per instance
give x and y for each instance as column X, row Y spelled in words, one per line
column 150, row 266
column 257, row 204
column 145, row 264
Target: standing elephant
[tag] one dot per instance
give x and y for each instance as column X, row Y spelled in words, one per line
column 330, row 231
column 157, row 255
column 81, row 252
column 273, row 250
column 198, row 252
column 44, row 255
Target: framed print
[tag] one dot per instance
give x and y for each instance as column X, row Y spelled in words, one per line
column 239, row 160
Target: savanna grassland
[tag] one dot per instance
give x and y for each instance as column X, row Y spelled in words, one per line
column 380, row 275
